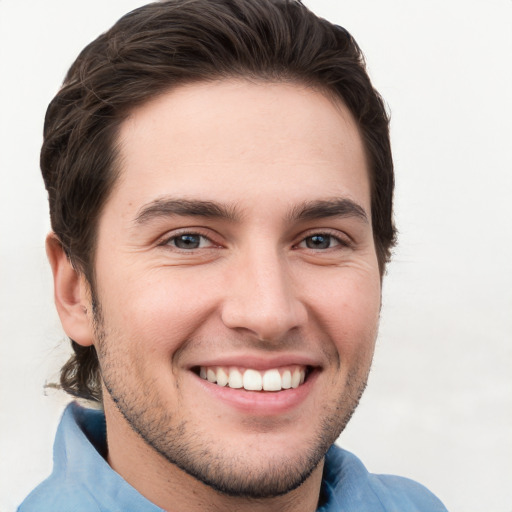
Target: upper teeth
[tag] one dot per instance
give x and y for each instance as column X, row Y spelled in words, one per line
column 254, row 380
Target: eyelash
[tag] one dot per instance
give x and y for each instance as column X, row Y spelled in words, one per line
column 342, row 243
column 168, row 241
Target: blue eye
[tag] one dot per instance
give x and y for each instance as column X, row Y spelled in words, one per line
column 320, row 241
column 188, row 241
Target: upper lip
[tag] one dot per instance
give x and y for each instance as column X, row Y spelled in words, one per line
column 256, row 362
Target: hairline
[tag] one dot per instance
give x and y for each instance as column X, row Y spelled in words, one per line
column 287, row 78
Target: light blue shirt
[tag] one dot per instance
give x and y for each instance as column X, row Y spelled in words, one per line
column 82, row 480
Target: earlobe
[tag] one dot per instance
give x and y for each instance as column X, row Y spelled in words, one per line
column 71, row 293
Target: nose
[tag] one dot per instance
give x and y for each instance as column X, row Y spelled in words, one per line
column 261, row 297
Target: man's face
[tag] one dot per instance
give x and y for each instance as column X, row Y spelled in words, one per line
column 237, row 246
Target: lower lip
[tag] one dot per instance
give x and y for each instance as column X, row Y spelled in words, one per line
column 262, row 403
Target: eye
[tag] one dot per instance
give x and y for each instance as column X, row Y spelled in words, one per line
column 189, row 241
column 320, row 241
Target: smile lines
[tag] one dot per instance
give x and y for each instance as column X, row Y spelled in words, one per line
column 254, row 380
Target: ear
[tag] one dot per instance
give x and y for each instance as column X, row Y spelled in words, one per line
column 72, row 294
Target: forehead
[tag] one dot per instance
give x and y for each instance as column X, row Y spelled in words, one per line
column 237, row 140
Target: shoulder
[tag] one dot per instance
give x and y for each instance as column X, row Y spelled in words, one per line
column 411, row 495
column 79, row 439
column 82, row 480
column 53, row 495
column 348, row 482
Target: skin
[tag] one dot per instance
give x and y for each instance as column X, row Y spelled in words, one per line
column 257, row 289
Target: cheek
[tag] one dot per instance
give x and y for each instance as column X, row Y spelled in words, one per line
column 349, row 309
column 157, row 309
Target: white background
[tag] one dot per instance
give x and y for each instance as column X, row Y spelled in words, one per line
column 439, row 404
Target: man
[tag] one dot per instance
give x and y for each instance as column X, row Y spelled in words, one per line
column 220, row 183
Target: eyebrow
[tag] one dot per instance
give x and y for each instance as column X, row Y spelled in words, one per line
column 336, row 207
column 309, row 210
column 185, row 207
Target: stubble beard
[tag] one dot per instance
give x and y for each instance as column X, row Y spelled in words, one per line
column 231, row 475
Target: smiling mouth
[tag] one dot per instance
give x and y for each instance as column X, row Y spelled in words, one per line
column 275, row 379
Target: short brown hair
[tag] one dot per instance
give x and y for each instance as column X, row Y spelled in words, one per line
column 174, row 42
